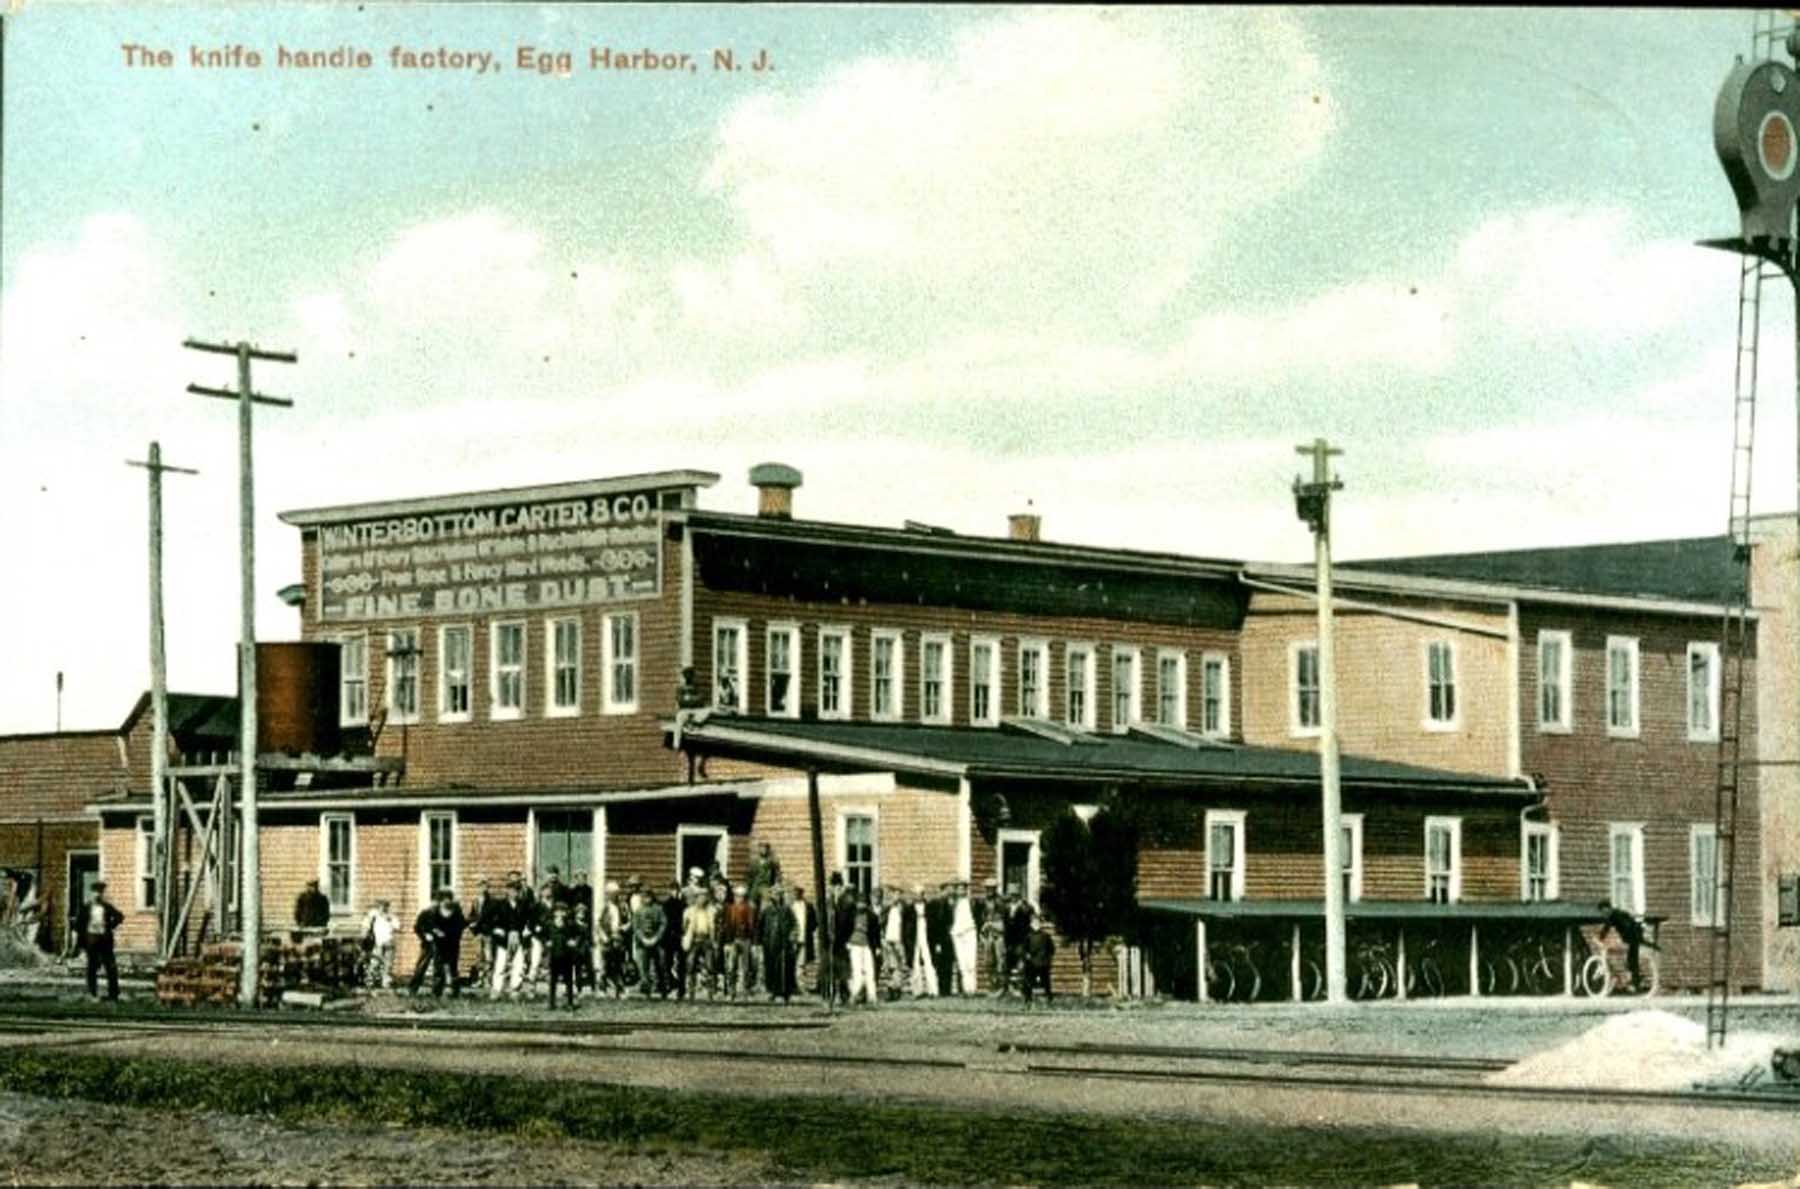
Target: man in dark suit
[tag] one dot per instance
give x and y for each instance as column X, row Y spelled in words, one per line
column 939, row 916
column 94, row 924
column 1020, row 920
column 843, row 919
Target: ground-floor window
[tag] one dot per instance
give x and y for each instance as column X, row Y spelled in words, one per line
column 338, row 860
column 1703, row 868
column 1224, row 854
column 857, row 854
column 145, row 860
column 1351, row 859
column 438, row 844
column 1443, row 859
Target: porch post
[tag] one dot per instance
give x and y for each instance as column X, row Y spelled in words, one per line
column 1400, row 968
column 1200, row 957
column 1474, row 960
column 1569, row 961
column 1295, row 960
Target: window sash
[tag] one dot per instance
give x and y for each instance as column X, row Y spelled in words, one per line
column 1212, row 695
column 1306, row 687
column 566, row 646
column 1080, row 705
column 353, row 673
column 458, row 644
column 1125, row 688
column 728, row 677
column 859, row 852
column 339, row 857
column 1442, row 664
column 1222, row 859
column 441, row 843
column 1623, row 849
column 1621, row 686
column 781, row 670
column 883, row 667
column 403, row 687
column 621, row 633
column 831, row 674
column 1031, row 681
column 1168, row 691
column 144, row 857
column 1553, row 674
column 509, row 667
column 1703, row 889
column 931, row 679
column 982, row 655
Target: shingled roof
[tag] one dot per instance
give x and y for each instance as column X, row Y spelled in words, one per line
column 1693, row 569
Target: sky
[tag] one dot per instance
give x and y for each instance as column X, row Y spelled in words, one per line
column 950, row 262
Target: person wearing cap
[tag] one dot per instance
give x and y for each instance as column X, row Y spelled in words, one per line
column 896, row 932
column 991, row 913
column 379, row 930
column 673, row 965
column 924, row 975
column 963, row 936
column 737, row 937
column 94, row 924
column 562, row 941
column 863, row 931
column 843, row 907
column 312, row 910
column 648, row 923
column 765, row 872
column 699, row 923
column 1021, row 920
column 581, row 892
column 512, row 926
column 481, row 924
column 439, row 929
column 803, row 941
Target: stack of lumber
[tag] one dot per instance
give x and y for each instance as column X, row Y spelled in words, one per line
column 321, row 964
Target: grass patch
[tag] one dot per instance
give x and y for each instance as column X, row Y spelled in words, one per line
column 820, row 1138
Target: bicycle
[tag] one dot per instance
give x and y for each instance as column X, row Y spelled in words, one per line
column 1422, row 970
column 1599, row 979
column 1372, row 971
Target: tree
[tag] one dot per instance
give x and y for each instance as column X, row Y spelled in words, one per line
column 1089, row 872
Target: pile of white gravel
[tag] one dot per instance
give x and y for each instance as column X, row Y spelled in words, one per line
column 1643, row 1050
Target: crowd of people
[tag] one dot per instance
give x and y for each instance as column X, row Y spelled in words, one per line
column 758, row 937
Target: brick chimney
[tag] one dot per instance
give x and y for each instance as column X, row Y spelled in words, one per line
column 774, row 483
column 1025, row 526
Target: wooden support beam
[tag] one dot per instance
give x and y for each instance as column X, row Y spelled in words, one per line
column 1200, row 957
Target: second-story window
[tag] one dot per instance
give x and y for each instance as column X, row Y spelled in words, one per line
column 934, row 678
column 1034, row 667
column 1555, row 713
column 509, row 670
column 1305, row 690
column 1126, row 687
column 1215, row 695
column 728, row 664
column 783, row 692
column 1703, row 692
column 455, row 646
column 621, row 663
column 403, row 675
column 834, row 673
column 1171, row 689
column 1440, row 684
column 984, row 682
column 353, row 680
column 1081, row 686
column 1621, row 685
column 565, row 666
column 886, row 663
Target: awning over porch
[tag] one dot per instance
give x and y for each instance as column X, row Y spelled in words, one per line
column 1535, row 911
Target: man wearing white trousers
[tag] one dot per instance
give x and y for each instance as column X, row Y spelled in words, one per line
column 864, row 932
column 924, row 974
column 964, row 937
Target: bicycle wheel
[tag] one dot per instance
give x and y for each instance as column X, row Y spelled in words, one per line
column 1595, row 978
column 1540, row 978
column 1250, row 978
column 1312, row 980
column 1431, row 977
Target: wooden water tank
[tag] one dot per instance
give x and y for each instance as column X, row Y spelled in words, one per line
column 297, row 698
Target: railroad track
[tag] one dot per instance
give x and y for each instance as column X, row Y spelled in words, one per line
column 1376, row 1073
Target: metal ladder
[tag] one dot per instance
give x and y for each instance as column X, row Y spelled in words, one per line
column 1767, row 39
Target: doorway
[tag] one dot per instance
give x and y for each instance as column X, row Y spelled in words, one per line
column 565, row 841
column 84, row 873
column 699, row 846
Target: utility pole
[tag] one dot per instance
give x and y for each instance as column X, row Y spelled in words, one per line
column 251, row 886
column 1312, row 501
column 162, row 853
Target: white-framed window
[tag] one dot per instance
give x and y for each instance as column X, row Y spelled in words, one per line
column 731, row 641
column 619, row 686
column 337, row 860
column 858, row 855
column 1703, row 875
column 1016, row 852
column 1442, row 712
column 1127, row 688
column 781, row 692
column 936, row 665
column 1625, row 866
column 834, row 672
column 984, row 681
column 1443, row 859
column 1215, row 694
column 403, row 675
column 1556, row 689
column 1350, row 826
column 353, row 680
column 1540, row 843
column 1622, row 686
column 144, row 862
column 887, row 681
column 507, row 697
column 1225, row 854
column 1702, row 692
column 456, row 650
column 437, row 852
column 1171, row 688
column 1304, row 717
column 562, row 661
column 1078, row 660
column 1034, row 679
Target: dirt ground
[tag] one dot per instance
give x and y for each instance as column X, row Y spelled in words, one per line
column 78, row 1143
